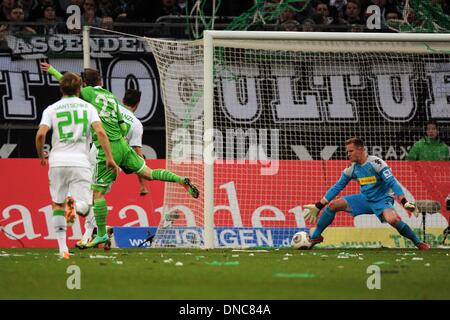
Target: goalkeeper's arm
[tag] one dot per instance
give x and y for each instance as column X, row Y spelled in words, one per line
column 410, row 206
column 392, row 182
column 314, row 209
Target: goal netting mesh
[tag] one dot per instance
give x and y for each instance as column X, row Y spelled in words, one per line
column 282, row 110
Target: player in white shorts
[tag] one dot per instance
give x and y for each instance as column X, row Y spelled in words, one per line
column 134, row 134
column 69, row 168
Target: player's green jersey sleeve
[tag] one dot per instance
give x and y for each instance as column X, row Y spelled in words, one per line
column 55, row 73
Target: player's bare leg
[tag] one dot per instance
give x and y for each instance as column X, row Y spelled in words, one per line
column 395, row 221
column 143, row 191
column 70, row 212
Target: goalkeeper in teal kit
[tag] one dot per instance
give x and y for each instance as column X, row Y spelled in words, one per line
column 130, row 162
column 376, row 182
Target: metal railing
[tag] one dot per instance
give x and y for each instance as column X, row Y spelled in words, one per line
column 180, row 27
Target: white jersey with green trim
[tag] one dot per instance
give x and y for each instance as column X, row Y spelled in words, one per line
column 70, row 119
column 135, row 128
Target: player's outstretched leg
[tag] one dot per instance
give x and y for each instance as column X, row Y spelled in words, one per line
column 326, row 218
column 168, row 176
column 394, row 220
column 407, row 232
column 190, row 188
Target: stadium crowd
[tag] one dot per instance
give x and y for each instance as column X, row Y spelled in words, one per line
column 49, row 16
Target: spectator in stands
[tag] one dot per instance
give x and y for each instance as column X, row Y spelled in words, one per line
column 308, row 25
column 27, row 6
column 51, row 24
column 353, row 12
column 393, row 14
column 107, row 23
column 89, row 16
column 5, row 9
column 330, row 15
column 286, row 15
column 322, row 13
column 290, row 25
column 17, row 15
column 429, row 147
column 37, row 9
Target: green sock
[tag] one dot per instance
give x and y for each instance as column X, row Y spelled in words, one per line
column 100, row 213
column 165, row 175
column 58, row 213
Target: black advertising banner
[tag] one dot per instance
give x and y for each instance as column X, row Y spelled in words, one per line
column 26, row 91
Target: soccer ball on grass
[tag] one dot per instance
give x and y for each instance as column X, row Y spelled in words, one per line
column 301, row 241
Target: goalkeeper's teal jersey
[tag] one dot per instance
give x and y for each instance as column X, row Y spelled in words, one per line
column 374, row 176
column 107, row 107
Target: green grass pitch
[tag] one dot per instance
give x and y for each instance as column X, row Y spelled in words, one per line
column 226, row 274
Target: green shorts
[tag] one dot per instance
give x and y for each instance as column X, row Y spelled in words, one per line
column 124, row 156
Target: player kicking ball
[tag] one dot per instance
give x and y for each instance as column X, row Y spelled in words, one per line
column 125, row 157
column 70, row 170
column 377, row 183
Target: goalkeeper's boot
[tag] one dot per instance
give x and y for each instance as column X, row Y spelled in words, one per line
column 81, row 245
column 423, row 246
column 97, row 240
column 70, row 212
column 319, row 239
column 190, row 188
column 109, row 232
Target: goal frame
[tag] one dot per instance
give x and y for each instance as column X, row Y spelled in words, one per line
column 209, row 37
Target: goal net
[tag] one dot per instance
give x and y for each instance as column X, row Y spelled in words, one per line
column 258, row 121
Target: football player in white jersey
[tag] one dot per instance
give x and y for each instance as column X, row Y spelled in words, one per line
column 131, row 101
column 71, row 120
column 134, row 134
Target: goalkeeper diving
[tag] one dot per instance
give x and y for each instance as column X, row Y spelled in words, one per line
column 377, row 185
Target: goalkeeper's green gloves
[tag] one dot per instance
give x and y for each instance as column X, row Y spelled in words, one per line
column 313, row 211
column 410, row 206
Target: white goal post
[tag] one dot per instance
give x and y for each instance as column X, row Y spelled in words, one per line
column 258, row 121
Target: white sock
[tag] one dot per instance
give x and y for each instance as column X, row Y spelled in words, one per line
column 60, row 225
column 89, row 225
